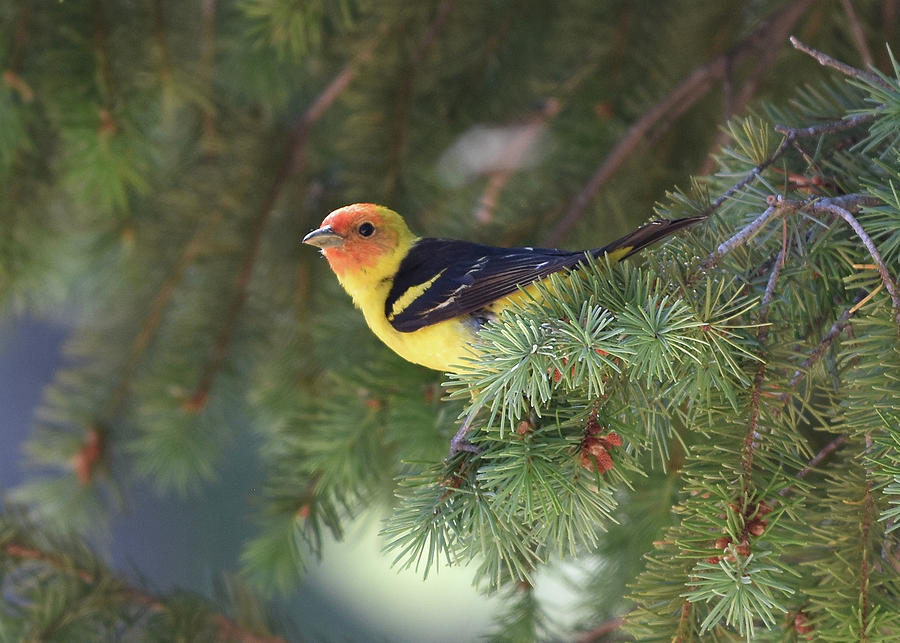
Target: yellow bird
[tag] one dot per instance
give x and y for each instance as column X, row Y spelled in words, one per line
column 427, row 298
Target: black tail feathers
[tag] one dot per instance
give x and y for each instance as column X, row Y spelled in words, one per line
column 648, row 234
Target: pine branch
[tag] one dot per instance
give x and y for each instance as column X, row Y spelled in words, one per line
column 602, row 630
column 20, row 38
column 159, row 35
column 753, row 433
column 229, row 629
column 292, row 162
column 404, row 96
column 848, row 70
column 101, row 50
column 207, row 58
column 151, row 324
column 841, row 206
column 685, row 94
column 856, row 31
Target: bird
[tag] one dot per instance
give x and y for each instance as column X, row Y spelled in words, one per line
column 427, row 298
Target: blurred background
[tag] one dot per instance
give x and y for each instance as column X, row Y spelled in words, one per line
column 171, row 358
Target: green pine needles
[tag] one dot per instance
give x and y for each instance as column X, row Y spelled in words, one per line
column 728, row 360
column 702, row 443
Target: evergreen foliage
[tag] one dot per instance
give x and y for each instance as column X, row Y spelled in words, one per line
column 716, row 427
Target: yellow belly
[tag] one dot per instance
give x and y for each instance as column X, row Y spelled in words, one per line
column 443, row 346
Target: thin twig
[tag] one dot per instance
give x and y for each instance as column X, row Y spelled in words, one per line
column 741, row 237
column 827, row 450
column 839, row 325
column 291, row 163
column 856, row 30
column 517, row 148
column 152, row 322
column 404, row 96
column 689, row 91
column 101, row 50
column 737, row 104
column 20, row 38
column 848, row 70
column 601, row 630
column 207, row 59
column 762, row 337
column 826, row 128
column 889, row 284
column 869, row 505
column 229, row 629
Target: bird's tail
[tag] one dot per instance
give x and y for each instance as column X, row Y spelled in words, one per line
column 644, row 236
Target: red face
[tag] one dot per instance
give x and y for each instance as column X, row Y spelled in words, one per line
column 355, row 237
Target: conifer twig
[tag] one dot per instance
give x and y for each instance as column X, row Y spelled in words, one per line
column 404, row 95
column 519, row 145
column 207, row 59
column 823, row 453
column 825, row 128
column 827, row 61
column 101, row 49
column 602, row 630
column 762, row 337
column 686, row 93
column 857, row 32
column 740, row 238
column 20, row 38
column 827, row 450
column 228, row 628
column 292, row 162
column 144, row 338
column 889, row 284
column 819, row 350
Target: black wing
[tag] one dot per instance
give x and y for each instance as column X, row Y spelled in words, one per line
column 442, row 278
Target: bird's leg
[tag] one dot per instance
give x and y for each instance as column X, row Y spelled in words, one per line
column 458, row 442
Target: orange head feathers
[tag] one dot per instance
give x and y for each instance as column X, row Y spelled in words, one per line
column 359, row 236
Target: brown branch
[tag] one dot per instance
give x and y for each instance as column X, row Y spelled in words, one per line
column 826, row 128
column 762, row 336
column 686, row 607
column 827, row 450
column 404, row 97
column 101, row 51
column 842, row 322
column 207, row 58
column 159, row 38
column 741, row 237
column 857, row 32
column 228, row 629
column 848, row 70
column 522, row 143
column 151, row 326
column 602, row 630
column 20, row 38
column 292, row 162
column 518, row 146
column 869, row 507
column 736, row 105
column 688, row 91
column 889, row 284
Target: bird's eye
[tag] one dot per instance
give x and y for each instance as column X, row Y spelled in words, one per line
column 366, row 229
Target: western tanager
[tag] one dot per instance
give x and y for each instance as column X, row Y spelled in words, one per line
column 427, row 298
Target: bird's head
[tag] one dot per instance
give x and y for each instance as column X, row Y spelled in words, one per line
column 361, row 237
